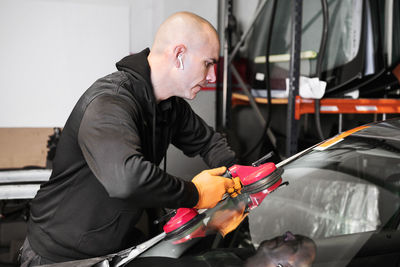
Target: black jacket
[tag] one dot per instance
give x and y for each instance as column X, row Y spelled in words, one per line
column 106, row 172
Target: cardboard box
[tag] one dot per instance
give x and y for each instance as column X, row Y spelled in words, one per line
column 23, row 147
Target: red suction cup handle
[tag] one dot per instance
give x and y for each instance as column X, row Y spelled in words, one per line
column 182, row 216
column 249, row 174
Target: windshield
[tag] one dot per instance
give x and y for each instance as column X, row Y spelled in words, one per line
column 344, row 37
column 339, row 196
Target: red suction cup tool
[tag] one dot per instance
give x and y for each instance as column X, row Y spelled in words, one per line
column 183, row 225
column 258, row 181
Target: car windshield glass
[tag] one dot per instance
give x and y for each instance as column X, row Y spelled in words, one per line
column 341, row 195
column 345, row 20
column 347, row 190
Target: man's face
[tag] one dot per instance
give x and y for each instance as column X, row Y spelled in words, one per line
column 281, row 248
column 287, row 250
column 198, row 69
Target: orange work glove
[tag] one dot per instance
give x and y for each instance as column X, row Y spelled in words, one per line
column 234, row 191
column 226, row 220
column 211, row 187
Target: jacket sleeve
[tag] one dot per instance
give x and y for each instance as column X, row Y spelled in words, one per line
column 195, row 137
column 109, row 140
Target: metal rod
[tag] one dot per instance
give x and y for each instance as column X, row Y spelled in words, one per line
column 253, row 104
column 389, row 30
column 225, row 68
column 225, row 86
column 228, row 58
column 340, row 123
column 294, row 74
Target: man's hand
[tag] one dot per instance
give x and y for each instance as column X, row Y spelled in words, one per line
column 211, row 187
column 226, row 220
column 234, row 191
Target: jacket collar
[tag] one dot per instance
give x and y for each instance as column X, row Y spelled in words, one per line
column 138, row 66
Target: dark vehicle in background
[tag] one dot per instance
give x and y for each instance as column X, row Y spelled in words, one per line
column 353, row 46
column 359, row 54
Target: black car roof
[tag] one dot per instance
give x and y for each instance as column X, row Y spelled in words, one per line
column 389, row 129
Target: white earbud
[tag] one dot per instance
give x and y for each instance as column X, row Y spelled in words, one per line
column 180, row 62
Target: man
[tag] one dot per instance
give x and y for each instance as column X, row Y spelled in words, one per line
column 106, row 172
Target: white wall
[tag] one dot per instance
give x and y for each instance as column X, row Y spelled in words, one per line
column 51, row 51
column 147, row 15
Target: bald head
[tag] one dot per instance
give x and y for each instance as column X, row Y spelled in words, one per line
column 183, row 55
column 184, row 28
column 297, row 250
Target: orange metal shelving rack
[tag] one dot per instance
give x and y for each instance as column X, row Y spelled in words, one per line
column 332, row 105
column 349, row 106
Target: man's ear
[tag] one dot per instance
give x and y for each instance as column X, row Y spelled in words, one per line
column 178, row 53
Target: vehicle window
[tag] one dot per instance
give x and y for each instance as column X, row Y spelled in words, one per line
column 345, row 26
